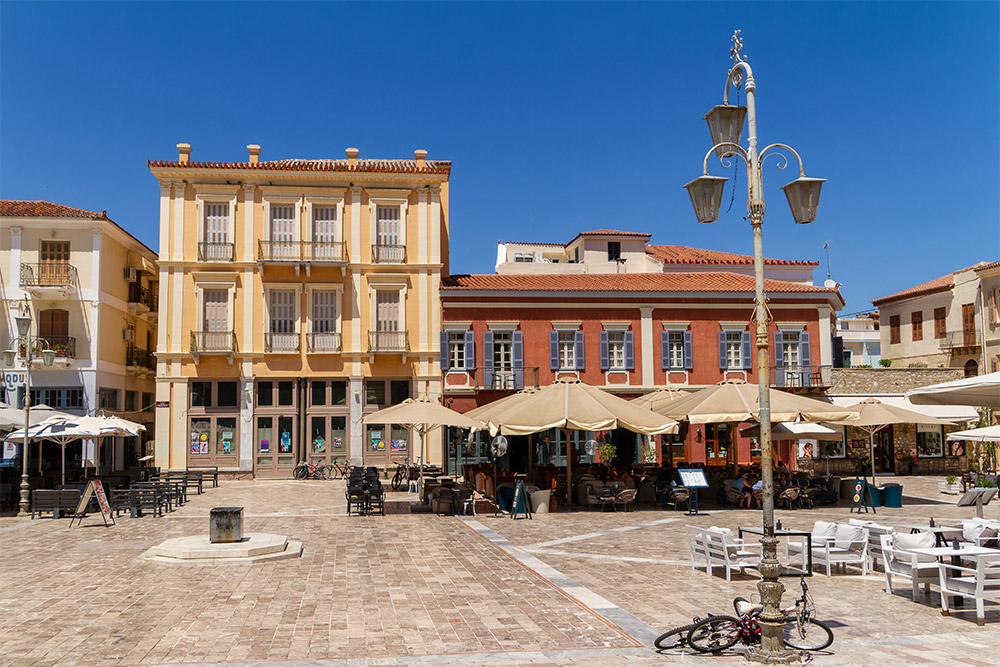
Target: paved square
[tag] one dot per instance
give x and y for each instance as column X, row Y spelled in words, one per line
column 566, row 588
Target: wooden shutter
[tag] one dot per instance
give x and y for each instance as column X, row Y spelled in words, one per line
column 779, row 360
column 664, row 350
column 216, row 222
column 518, row 359
column 282, row 311
column 579, row 352
column 722, row 351
column 688, row 353
column 445, row 352
column 969, row 324
column 940, row 322
column 605, row 360
column 629, row 351
column 324, row 224
column 554, row 350
column 282, row 230
column 324, row 315
column 470, row 350
column 53, row 325
column 215, row 313
column 747, row 351
column 805, row 362
column 993, row 306
column 387, row 310
column 387, row 225
column 488, row 359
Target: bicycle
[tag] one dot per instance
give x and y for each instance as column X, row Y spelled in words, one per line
column 404, row 473
column 306, row 470
column 341, row 470
column 717, row 633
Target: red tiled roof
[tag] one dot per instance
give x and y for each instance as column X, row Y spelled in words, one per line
column 941, row 284
column 38, row 208
column 624, row 282
column 612, row 232
column 678, row 254
column 366, row 165
column 987, row 267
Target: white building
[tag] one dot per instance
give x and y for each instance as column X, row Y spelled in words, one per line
column 860, row 343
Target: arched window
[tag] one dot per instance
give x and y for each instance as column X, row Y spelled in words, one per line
column 971, row 368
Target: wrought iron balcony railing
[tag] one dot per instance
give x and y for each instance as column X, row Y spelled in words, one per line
column 64, row 346
column 208, row 342
column 388, row 341
column 324, row 251
column 139, row 358
column 960, row 339
column 216, row 252
column 334, row 252
column 49, row 274
column 388, row 254
column 137, row 294
column 506, row 378
column 812, row 377
column 281, row 342
column 323, row 342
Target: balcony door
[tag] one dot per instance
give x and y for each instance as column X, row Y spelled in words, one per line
column 283, row 336
column 53, row 327
column 324, row 233
column 215, row 319
column 53, row 259
column 968, row 324
column 283, row 232
column 387, row 229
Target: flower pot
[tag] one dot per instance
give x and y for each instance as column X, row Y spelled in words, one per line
column 953, row 489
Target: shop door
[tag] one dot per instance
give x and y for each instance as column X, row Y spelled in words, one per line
column 213, row 442
column 388, row 445
column 885, row 452
column 327, row 439
column 275, row 447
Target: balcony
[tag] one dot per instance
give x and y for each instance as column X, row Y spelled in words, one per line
column 388, row 254
column 141, row 300
column 388, row 341
column 323, row 342
column 64, row 346
column 213, row 342
column 215, row 252
column 812, row 378
column 49, row 279
column 299, row 253
column 960, row 342
column 287, row 343
column 139, row 361
column 474, row 380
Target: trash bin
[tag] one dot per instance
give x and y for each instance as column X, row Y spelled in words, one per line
column 846, row 488
column 876, row 495
column 892, row 495
column 540, row 501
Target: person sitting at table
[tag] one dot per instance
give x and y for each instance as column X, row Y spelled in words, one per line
column 747, row 491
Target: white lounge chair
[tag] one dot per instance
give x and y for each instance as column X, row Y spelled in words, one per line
column 901, row 562
column 979, row 583
column 725, row 551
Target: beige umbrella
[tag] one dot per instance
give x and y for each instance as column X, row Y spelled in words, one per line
column 874, row 415
column 660, row 397
column 980, row 391
column 793, row 431
column 570, row 405
column 425, row 415
column 737, row 401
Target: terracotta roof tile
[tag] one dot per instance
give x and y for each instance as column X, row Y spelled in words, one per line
column 987, row 266
column 38, row 208
column 612, row 232
column 677, row 254
column 363, row 165
column 622, row 282
column 941, row 284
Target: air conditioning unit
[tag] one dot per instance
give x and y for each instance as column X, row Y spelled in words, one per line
column 128, row 335
column 130, row 274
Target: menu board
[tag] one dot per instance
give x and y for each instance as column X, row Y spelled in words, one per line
column 94, row 488
column 693, row 478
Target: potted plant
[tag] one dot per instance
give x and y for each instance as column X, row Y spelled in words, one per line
column 909, row 459
column 949, row 485
column 863, row 463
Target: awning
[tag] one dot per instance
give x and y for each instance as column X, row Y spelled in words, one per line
column 955, row 413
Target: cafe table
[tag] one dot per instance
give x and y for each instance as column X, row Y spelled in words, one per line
column 966, row 550
column 786, row 532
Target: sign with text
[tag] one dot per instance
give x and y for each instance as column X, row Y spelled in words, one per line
column 14, row 379
column 693, row 478
column 94, row 489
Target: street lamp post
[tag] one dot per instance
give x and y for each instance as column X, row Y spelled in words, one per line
column 725, row 122
column 47, row 356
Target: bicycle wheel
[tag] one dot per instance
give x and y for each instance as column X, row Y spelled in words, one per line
column 807, row 635
column 325, row 472
column 397, row 480
column 300, row 471
column 673, row 638
column 716, row 633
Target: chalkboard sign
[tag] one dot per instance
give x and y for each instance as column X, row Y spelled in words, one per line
column 520, row 504
column 94, row 488
column 861, row 496
column 693, row 478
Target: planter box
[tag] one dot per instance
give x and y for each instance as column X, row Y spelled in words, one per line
column 953, row 489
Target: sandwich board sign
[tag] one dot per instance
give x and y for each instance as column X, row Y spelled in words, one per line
column 94, row 489
column 861, row 496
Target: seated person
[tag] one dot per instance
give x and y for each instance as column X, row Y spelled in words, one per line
column 749, row 500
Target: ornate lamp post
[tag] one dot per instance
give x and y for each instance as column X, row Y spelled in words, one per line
column 47, row 356
column 725, row 122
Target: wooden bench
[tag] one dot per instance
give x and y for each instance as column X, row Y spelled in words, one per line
column 210, row 472
column 54, row 501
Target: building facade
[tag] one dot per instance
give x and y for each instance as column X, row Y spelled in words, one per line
column 90, row 288
column 298, row 296
column 856, row 342
column 614, row 311
column 943, row 323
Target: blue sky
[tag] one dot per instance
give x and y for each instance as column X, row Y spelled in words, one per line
column 558, row 117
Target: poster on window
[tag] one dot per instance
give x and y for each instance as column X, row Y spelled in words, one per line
column 265, row 447
column 286, row 442
column 338, row 442
column 195, row 444
column 398, row 445
column 227, row 447
column 9, row 450
column 378, row 444
column 319, row 445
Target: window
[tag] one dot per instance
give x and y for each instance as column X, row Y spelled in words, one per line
column 130, row 397
column 792, row 356
column 731, row 350
column 53, row 326
column 226, row 395
column 968, row 324
column 215, row 233
column 616, row 350
column 375, row 392
column 324, row 224
column 324, row 311
column 53, row 257
column 940, row 327
column 201, row 394
column 717, row 442
column 107, row 398
column 265, row 393
column 675, row 350
column 281, row 307
column 917, row 323
column 215, row 310
column 524, row 257
column 147, row 401
column 283, row 231
column 929, row 441
column 318, row 392
column 893, row 329
column 503, row 359
column 399, row 391
column 456, row 349
column 567, row 350
column 847, row 359
column 790, row 349
column 614, row 251
column 54, row 397
column 387, row 310
column 338, row 392
column 389, row 244
column 286, row 393
column 991, row 306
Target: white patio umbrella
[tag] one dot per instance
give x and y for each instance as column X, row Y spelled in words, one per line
column 132, row 427
column 982, row 391
column 984, row 434
column 65, row 430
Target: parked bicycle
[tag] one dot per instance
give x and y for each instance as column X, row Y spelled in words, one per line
column 404, row 473
column 717, row 633
column 307, row 470
column 339, row 469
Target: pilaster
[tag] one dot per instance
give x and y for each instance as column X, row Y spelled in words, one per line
column 646, row 342
column 178, row 222
column 355, row 452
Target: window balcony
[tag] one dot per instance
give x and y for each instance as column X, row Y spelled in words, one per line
column 323, row 342
column 298, row 253
column 474, row 380
column 325, row 252
column 388, row 254
column 216, row 252
column 64, row 346
column 801, row 377
column 139, row 361
column 388, row 341
column 213, row 342
column 141, row 300
column 279, row 251
column 281, row 342
column 49, row 279
column 960, row 342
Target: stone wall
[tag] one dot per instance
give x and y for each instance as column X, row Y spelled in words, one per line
column 889, row 380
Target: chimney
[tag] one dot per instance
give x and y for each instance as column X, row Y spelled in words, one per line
column 184, row 153
column 352, row 157
column 421, row 157
column 254, row 151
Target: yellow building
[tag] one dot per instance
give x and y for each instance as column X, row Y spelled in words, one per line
column 90, row 288
column 297, row 296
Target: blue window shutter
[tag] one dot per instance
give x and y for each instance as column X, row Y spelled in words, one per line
column 580, row 360
column 554, row 350
column 722, row 350
column 664, row 350
column 688, row 353
column 747, row 351
column 518, row 354
column 444, row 350
column 629, row 351
column 779, row 361
column 488, row 359
column 605, row 361
column 470, row 350
column 804, row 361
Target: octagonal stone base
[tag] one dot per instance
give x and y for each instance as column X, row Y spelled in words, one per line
column 253, row 548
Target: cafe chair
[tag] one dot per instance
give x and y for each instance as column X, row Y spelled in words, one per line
column 979, row 583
